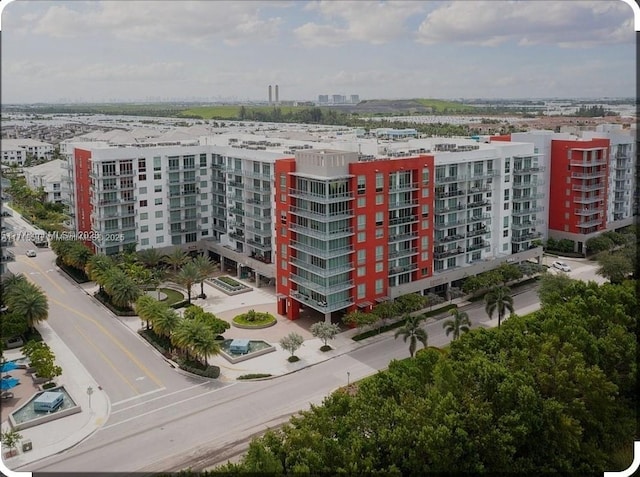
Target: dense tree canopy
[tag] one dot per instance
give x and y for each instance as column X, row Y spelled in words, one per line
column 550, row 392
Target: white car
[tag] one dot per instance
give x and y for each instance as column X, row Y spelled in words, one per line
column 31, row 253
column 561, row 266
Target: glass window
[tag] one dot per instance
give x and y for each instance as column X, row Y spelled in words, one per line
column 379, row 181
column 159, row 214
column 283, row 281
column 379, row 218
column 379, row 286
column 362, row 237
column 143, row 203
column 362, row 202
column 283, row 264
column 144, row 241
column 144, row 228
column 143, row 190
column 505, row 233
column 158, row 201
column 362, row 271
column 144, row 215
column 362, row 180
column 424, row 256
column 379, row 252
column 379, row 199
column 379, row 232
column 362, row 256
column 160, row 239
column 159, row 226
column 157, row 188
column 425, row 176
column 505, row 222
column 362, row 222
column 379, row 267
column 362, row 289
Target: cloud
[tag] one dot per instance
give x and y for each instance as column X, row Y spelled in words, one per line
column 568, row 24
column 374, row 22
column 192, row 22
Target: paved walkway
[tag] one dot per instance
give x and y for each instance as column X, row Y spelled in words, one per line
column 56, row 436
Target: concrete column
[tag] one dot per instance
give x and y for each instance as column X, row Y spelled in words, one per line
column 327, row 317
column 257, row 280
column 238, row 270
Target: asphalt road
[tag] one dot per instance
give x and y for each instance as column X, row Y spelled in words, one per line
column 202, row 424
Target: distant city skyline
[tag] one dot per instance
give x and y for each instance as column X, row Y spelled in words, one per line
column 99, row 51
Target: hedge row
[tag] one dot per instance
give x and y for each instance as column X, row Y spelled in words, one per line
column 77, row 275
column 103, row 298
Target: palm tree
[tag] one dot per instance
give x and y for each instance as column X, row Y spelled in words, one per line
column 165, row 321
column 205, row 269
column 459, row 323
column 187, row 276
column 413, row 332
column 121, row 288
column 147, row 308
column 191, row 336
column 10, row 283
column 150, row 257
column 96, row 268
column 29, row 301
column 498, row 298
column 78, row 255
column 176, row 259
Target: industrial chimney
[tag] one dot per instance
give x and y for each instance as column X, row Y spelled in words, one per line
column 270, row 93
column 277, row 100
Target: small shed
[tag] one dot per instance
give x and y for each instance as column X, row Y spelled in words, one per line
column 239, row 346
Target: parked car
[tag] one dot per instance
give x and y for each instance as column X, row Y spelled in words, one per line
column 31, row 253
column 561, row 266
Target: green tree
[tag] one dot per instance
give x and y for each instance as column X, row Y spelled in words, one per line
column 176, row 259
column 216, row 325
column 460, row 323
column 96, row 268
column 78, row 255
column 432, row 299
column 386, row 311
column 205, row 268
column 194, row 336
column 29, row 301
column 147, row 308
column 187, row 277
column 498, row 299
column 410, row 302
column 325, row 331
column 150, row 257
column 165, row 321
column 615, row 267
column 600, row 243
column 291, row 343
column 413, row 332
column 359, row 319
column 121, row 289
column 556, row 289
column 10, row 438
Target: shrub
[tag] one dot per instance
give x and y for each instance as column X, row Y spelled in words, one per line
column 180, row 304
column 207, row 372
column 254, row 318
column 77, row 275
column 293, row 359
column 103, row 298
column 254, row 376
column 325, row 348
column 230, row 281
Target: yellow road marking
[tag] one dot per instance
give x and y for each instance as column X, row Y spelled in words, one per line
column 45, row 274
column 108, row 361
column 127, row 353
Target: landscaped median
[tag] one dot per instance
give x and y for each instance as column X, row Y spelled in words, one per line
column 254, row 320
column 228, row 285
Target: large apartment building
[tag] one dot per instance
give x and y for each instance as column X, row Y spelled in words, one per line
column 338, row 221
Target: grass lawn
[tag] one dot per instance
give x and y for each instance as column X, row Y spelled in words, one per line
column 173, row 296
column 231, row 112
column 261, row 319
column 439, row 105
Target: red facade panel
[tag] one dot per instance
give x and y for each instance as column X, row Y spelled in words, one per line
column 82, row 168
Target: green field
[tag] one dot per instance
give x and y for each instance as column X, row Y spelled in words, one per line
column 439, row 105
column 232, row 111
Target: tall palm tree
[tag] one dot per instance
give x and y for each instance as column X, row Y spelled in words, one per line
column 413, row 332
column 29, row 301
column 150, row 257
column 10, row 283
column 121, row 288
column 176, row 259
column 205, row 269
column 500, row 299
column 96, row 268
column 187, row 277
column 459, row 323
column 78, row 255
column 165, row 321
column 147, row 308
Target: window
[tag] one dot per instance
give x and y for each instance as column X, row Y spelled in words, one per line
column 159, row 239
column 159, row 214
column 379, row 232
column 203, row 184
column 156, row 188
column 425, row 192
column 424, row 256
column 144, row 241
column 425, row 210
column 158, row 201
column 159, row 226
column 157, row 163
column 424, row 243
column 507, row 166
column 142, row 177
column 143, row 190
column 157, row 176
column 203, row 172
column 144, row 215
column 379, row 218
column 283, row 197
column 566, row 215
column 506, row 194
column 283, row 281
column 283, row 181
column 379, row 199
column 283, row 231
column 424, row 271
column 379, row 181
column 362, row 291
column 362, row 180
column 143, row 203
column 567, row 192
column 505, row 247
column 283, row 250
column 362, row 222
column 362, row 271
column 379, row 267
column 362, row 257
column 203, row 160
column 425, row 176
column 362, row 202
column 505, row 233
column 507, row 178
column 505, row 222
column 506, row 206
column 362, row 237
column 144, row 228
column 566, row 203
column 283, row 264
column 425, row 224
column 379, row 286
column 379, row 252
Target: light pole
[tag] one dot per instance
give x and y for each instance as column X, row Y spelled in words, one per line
column 89, row 393
column 348, row 378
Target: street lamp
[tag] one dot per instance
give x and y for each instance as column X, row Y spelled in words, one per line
column 89, row 393
column 348, row 378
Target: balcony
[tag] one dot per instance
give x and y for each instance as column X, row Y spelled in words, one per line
column 319, row 198
column 263, row 204
column 331, row 253
column 257, row 175
column 402, row 269
column 453, row 193
column 478, row 218
column 321, row 234
column 444, row 210
column 527, row 211
column 588, row 163
column 327, row 217
column 526, row 237
column 451, row 223
column 483, row 175
column 321, row 289
column 528, row 197
column 484, row 188
column 217, row 167
column 588, row 175
column 401, row 204
column 588, row 200
column 237, row 236
column 589, row 223
column 480, row 203
column 449, row 238
column 259, row 245
column 403, row 187
column 219, row 228
column 448, row 253
column 238, row 185
column 528, row 170
column 526, row 184
column 589, row 211
column 257, row 188
column 476, row 232
column 321, row 306
column 450, row 179
column 403, row 220
column 321, row 272
column 587, row 187
column 526, row 225
column 478, row 246
column 236, row 211
column 393, row 254
column 622, row 166
column 402, row 237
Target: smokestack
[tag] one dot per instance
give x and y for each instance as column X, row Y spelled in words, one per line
column 270, row 93
column 277, row 100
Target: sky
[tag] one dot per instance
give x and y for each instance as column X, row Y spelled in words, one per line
column 97, row 51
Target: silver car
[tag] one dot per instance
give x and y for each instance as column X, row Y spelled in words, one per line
column 561, row 266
